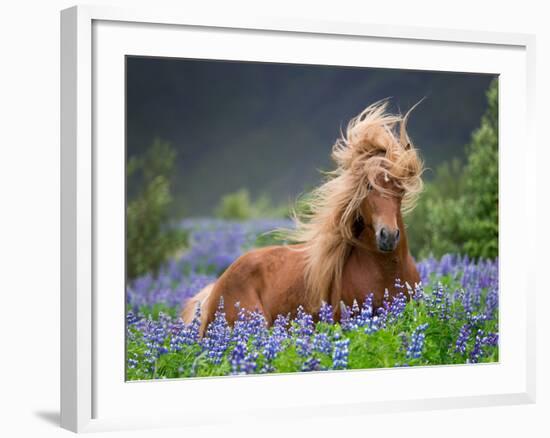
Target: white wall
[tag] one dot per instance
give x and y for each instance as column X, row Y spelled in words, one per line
column 29, row 218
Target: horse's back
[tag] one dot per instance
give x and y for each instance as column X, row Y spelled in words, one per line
column 268, row 279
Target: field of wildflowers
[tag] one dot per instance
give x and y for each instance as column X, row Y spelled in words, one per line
column 451, row 318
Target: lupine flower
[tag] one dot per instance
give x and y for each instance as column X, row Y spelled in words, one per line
column 133, row 361
column 418, row 292
column 237, row 358
column 303, row 346
column 321, row 343
column 397, row 306
column 242, row 361
column 311, row 364
column 491, row 339
column 218, row 335
column 326, row 314
column 303, row 324
column 416, row 344
column 463, row 336
column 491, row 303
column 476, row 352
column 436, row 305
column 340, row 355
column 346, row 317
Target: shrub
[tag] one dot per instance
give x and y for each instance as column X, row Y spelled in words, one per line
column 458, row 211
column 149, row 240
column 239, row 206
column 480, row 223
column 235, row 206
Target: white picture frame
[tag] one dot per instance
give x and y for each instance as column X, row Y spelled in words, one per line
column 93, row 39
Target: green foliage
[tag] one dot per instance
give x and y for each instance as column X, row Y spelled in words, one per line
column 433, row 226
column 149, row 241
column 458, row 211
column 481, row 184
column 239, row 206
column 236, row 206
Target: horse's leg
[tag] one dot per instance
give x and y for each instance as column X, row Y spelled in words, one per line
column 234, row 288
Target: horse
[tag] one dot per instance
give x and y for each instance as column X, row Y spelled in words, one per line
column 351, row 242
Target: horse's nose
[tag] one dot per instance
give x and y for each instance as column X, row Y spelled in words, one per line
column 388, row 239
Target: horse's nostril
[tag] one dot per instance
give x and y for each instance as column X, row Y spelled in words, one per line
column 383, row 233
column 397, row 235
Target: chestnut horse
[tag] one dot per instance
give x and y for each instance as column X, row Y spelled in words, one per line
column 352, row 241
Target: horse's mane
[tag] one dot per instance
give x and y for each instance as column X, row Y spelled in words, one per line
column 374, row 142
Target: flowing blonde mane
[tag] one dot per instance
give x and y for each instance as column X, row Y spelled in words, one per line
column 375, row 142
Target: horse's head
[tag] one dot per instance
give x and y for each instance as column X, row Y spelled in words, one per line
column 379, row 174
column 381, row 213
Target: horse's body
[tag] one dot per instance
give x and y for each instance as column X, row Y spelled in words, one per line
column 354, row 244
column 271, row 279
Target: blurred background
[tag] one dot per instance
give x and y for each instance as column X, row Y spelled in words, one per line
column 241, row 141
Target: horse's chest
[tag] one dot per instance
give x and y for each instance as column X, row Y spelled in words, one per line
column 363, row 276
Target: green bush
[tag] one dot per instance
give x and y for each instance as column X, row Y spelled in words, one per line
column 239, row 206
column 235, row 206
column 458, row 211
column 480, row 223
column 434, row 225
column 149, row 240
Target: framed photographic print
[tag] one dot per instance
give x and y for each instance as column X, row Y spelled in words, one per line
column 253, row 206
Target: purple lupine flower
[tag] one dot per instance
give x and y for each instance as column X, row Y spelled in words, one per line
column 467, row 303
column 476, row 352
column 303, row 323
column 491, row 303
column 463, row 336
column 346, row 317
column 131, row 318
column 311, row 364
column 325, row 313
column 303, row 346
column 366, row 311
column 217, row 336
column 340, row 354
column 321, row 343
column 192, row 331
column 397, row 306
column 418, row 292
column 444, row 313
column 242, row 361
column 237, row 357
column 280, row 327
column 416, row 344
column 366, row 318
column 446, row 265
column 271, row 347
column 240, row 326
column 177, row 332
column 490, row 340
column 435, row 303
column 133, row 361
column 257, row 327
